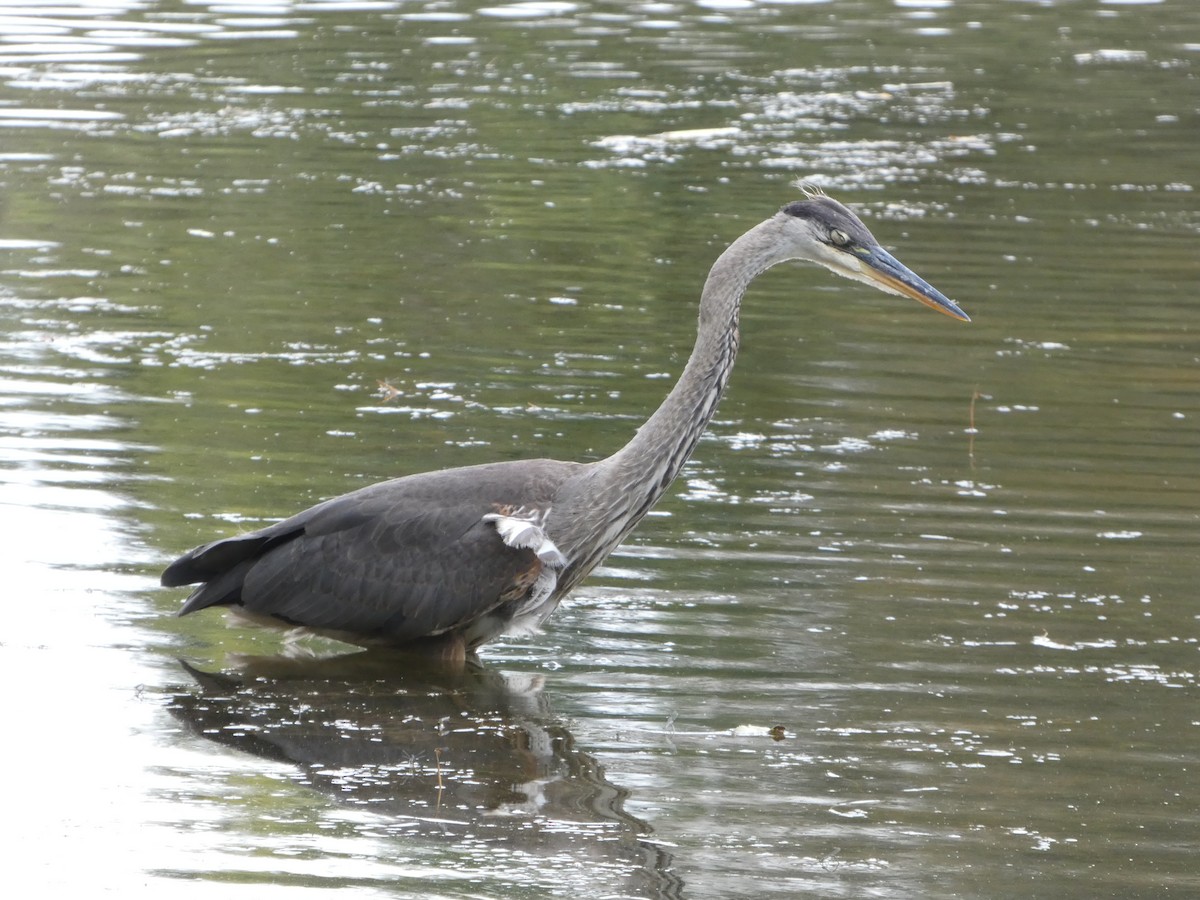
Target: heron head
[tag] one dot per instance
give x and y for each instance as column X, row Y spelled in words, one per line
column 833, row 236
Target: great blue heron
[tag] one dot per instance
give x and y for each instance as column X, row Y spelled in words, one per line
column 444, row 561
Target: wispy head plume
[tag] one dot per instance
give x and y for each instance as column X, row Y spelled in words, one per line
column 810, row 189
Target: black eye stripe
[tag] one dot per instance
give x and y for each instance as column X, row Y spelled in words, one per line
column 833, row 224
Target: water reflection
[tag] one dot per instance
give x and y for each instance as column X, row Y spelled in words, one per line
column 472, row 756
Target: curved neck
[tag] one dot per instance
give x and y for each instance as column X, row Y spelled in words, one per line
column 621, row 489
column 663, row 444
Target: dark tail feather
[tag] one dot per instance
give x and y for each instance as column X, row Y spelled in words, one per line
column 222, row 566
column 223, row 590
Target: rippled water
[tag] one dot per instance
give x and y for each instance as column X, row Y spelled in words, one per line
column 917, row 619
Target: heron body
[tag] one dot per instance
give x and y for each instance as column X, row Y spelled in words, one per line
column 445, row 561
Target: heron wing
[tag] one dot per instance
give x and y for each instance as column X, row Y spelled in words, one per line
column 400, row 560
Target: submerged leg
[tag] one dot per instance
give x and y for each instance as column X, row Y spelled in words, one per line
column 446, row 648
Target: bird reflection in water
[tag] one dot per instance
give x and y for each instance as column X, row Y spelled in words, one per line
column 457, row 752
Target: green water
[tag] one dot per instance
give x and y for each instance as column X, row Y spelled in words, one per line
column 956, row 564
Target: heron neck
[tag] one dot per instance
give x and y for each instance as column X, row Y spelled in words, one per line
column 657, row 453
column 636, row 476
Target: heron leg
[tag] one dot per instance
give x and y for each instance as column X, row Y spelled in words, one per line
column 448, row 647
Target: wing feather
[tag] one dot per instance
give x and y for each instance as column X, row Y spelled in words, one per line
column 396, row 561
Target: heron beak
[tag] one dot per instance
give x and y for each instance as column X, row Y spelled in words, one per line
column 877, row 267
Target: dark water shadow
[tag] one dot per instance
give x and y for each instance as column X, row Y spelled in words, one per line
column 443, row 753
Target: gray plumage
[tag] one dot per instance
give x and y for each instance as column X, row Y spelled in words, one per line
column 452, row 559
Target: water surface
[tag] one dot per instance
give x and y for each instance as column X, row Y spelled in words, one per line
column 917, row 619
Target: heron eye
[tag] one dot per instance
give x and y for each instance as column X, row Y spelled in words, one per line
column 839, row 237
